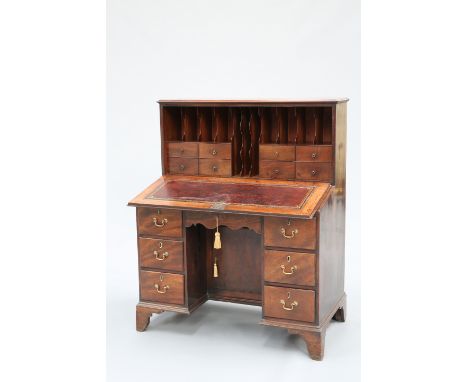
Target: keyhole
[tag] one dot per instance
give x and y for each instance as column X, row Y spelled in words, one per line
column 289, row 259
column 289, row 221
column 159, row 212
column 161, row 278
column 160, row 244
column 289, row 295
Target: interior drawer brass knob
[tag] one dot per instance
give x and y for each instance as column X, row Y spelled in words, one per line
column 182, row 167
column 162, row 224
column 164, row 255
column 215, row 168
column 293, row 269
column 314, row 155
column 291, row 307
column 276, row 171
column 314, row 172
column 294, row 232
column 214, row 152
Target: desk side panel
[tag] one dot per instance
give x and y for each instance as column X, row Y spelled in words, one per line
column 331, row 255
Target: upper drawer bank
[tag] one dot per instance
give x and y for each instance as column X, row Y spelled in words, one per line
column 159, row 222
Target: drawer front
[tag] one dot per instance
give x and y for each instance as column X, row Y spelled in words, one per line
column 272, row 169
column 289, row 267
column 161, row 254
column 215, row 167
column 182, row 149
column 290, row 233
column 162, row 287
column 289, row 303
column 277, row 152
column 314, row 153
column 314, row 171
column 186, row 166
column 159, row 222
column 215, row 150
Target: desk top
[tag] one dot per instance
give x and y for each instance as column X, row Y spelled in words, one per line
column 236, row 195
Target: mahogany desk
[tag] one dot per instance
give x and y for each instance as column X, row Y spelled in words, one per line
column 269, row 178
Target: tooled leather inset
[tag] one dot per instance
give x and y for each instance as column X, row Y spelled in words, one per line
column 275, row 196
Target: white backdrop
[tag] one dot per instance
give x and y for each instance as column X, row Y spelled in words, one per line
column 220, row 50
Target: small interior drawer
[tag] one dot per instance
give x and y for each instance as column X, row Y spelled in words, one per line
column 159, row 222
column 215, row 150
column 277, row 152
column 161, row 254
column 289, row 303
column 215, row 167
column 322, row 153
column 185, row 166
column 289, row 267
column 314, row 171
column 162, row 287
column 290, row 233
column 272, row 169
column 182, row 149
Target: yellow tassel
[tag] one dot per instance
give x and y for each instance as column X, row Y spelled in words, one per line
column 215, row 269
column 217, row 241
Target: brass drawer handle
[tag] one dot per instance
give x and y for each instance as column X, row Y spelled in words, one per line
column 164, row 255
column 293, row 304
column 293, row 269
column 214, row 152
column 294, row 232
column 162, row 224
column 165, row 288
column 181, row 167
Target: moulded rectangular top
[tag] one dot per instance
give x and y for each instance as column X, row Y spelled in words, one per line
column 236, row 195
column 241, row 102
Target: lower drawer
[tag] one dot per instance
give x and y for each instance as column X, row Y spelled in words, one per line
column 314, row 171
column 289, row 267
column 215, row 167
column 162, row 287
column 273, row 169
column 289, row 303
column 161, row 254
column 185, row 166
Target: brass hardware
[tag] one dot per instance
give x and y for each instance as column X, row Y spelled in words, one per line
column 294, row 232
column 161, row 278
column 276, row 154
column 289, row 221
column 165, row 288
column 182, row 167
column 289, row 294
column 214, row 152
column 162, row 224
column 164, row 255
column 288, row 258
column 215, row 168
column 293, row 304
column 313, row 172
column 160, row 244
column 293, row 269
column 314, row 155
column 276, row 171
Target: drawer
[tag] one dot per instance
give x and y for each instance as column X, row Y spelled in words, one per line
column 314, row 171
column 215, row 150
column 182, row 149
column 161, row 254
column 288, row 303
column 162, row 287
column 289, row 267
column 186, row 166
column 277, row 152
column 314, row 153
column 273, row 169
column 290, row 233
column 159, row 222
column 215, row 167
